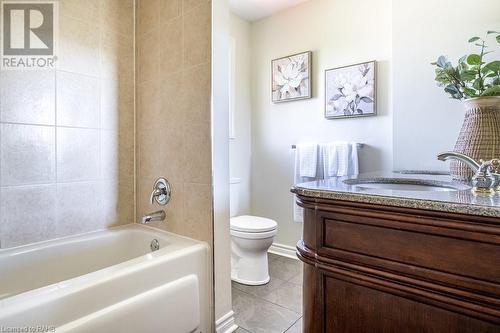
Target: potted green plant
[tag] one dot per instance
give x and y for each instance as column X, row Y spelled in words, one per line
column 476, row 82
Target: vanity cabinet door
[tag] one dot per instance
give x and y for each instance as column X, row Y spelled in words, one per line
column 351, row 308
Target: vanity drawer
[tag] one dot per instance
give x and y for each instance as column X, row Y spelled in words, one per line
column 461, row 252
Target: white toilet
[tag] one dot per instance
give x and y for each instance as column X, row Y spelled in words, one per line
column 251, row 237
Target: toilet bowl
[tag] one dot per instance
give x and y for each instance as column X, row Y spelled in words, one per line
column 251, row 237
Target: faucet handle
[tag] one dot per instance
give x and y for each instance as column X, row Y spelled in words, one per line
column 161, row 192
column 495, row 165
column 484, row 180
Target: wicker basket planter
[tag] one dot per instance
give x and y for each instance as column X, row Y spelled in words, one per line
column 480, row 134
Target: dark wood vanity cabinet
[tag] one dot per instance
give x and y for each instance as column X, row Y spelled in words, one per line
column 373, row 268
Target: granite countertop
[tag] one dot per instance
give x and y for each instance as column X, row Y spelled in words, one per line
column 459, row 200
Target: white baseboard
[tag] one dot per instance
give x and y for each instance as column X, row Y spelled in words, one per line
column 283, row 250
column 225, row 324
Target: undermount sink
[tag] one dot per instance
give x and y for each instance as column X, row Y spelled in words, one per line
column 404, row 184
column 423, row 172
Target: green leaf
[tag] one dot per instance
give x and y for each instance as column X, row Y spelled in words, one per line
column 477, row 84
column 474, row 59
column 493, row 66
column 470, row 92
column 451, row 89
column 442, row 61
column 492, row 32
column 473, row 39
column 498, row 38
column 492, row 91
column 468, row 75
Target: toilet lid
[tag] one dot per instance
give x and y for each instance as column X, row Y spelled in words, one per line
column 247, row 223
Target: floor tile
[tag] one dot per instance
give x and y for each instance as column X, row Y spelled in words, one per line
column 242, row 330
column 297, row 279
column 285, row 268
column 296, row 328
column 260, row 291
column 288, row 295
column 271, row 257
column 259, row 316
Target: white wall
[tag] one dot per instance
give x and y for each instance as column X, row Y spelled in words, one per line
column 426, row 121
column 240, row 145
column 338, row 33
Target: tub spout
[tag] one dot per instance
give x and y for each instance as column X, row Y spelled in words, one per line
column 155, row 216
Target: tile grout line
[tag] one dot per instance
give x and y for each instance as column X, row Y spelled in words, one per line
column 265, row 300
column 293, row 324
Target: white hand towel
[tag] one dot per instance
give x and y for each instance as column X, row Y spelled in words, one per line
column 339, row 159
column 305, row 170
column 306, row 160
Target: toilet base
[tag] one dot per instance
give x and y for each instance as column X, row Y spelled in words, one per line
column 249, row 267
column 251, row 283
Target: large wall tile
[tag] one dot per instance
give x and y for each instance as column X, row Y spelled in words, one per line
column 118, row 16
column 149, row 104
column 28, row 97
column 118, row 202
column 27, row 154
column 148, row 56
column 77, row 154
column 197, row 153
column 117, row 56
column 190, row 4
column 171, row 46
column 197, row 29
column 117, row 155
column 28, row 214
column 170, row 9
column 198, row 211
column 109, row 155
column 172, row 94
column 148, row 16
column 117, row 105
column 78, row 207
column 196, row 94
column 77, row 100
column 84, row 10
column 78, row 46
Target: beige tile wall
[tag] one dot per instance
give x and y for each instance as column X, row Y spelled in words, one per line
column 67, row 136
column 173, row 111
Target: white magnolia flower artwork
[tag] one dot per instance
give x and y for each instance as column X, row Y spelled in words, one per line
column 350, row 91
column 291, row 77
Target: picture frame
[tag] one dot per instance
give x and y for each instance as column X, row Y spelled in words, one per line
column 350, row 91
column 291, row 77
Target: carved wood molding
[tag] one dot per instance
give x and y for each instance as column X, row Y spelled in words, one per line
column 447, row 297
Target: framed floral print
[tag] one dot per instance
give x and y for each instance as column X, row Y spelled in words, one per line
column 291, row 77
column 350, row 91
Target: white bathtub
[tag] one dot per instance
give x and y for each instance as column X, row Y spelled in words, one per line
column 106, row 281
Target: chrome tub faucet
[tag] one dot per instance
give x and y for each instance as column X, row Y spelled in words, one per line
column 161, row 194
column 486, row 173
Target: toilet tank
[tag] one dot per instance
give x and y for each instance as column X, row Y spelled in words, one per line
column 234, row 196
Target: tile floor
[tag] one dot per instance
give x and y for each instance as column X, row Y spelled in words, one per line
column 275, row 307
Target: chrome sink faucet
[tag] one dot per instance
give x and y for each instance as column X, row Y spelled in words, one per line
column 155, row 216
column 486, row 177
